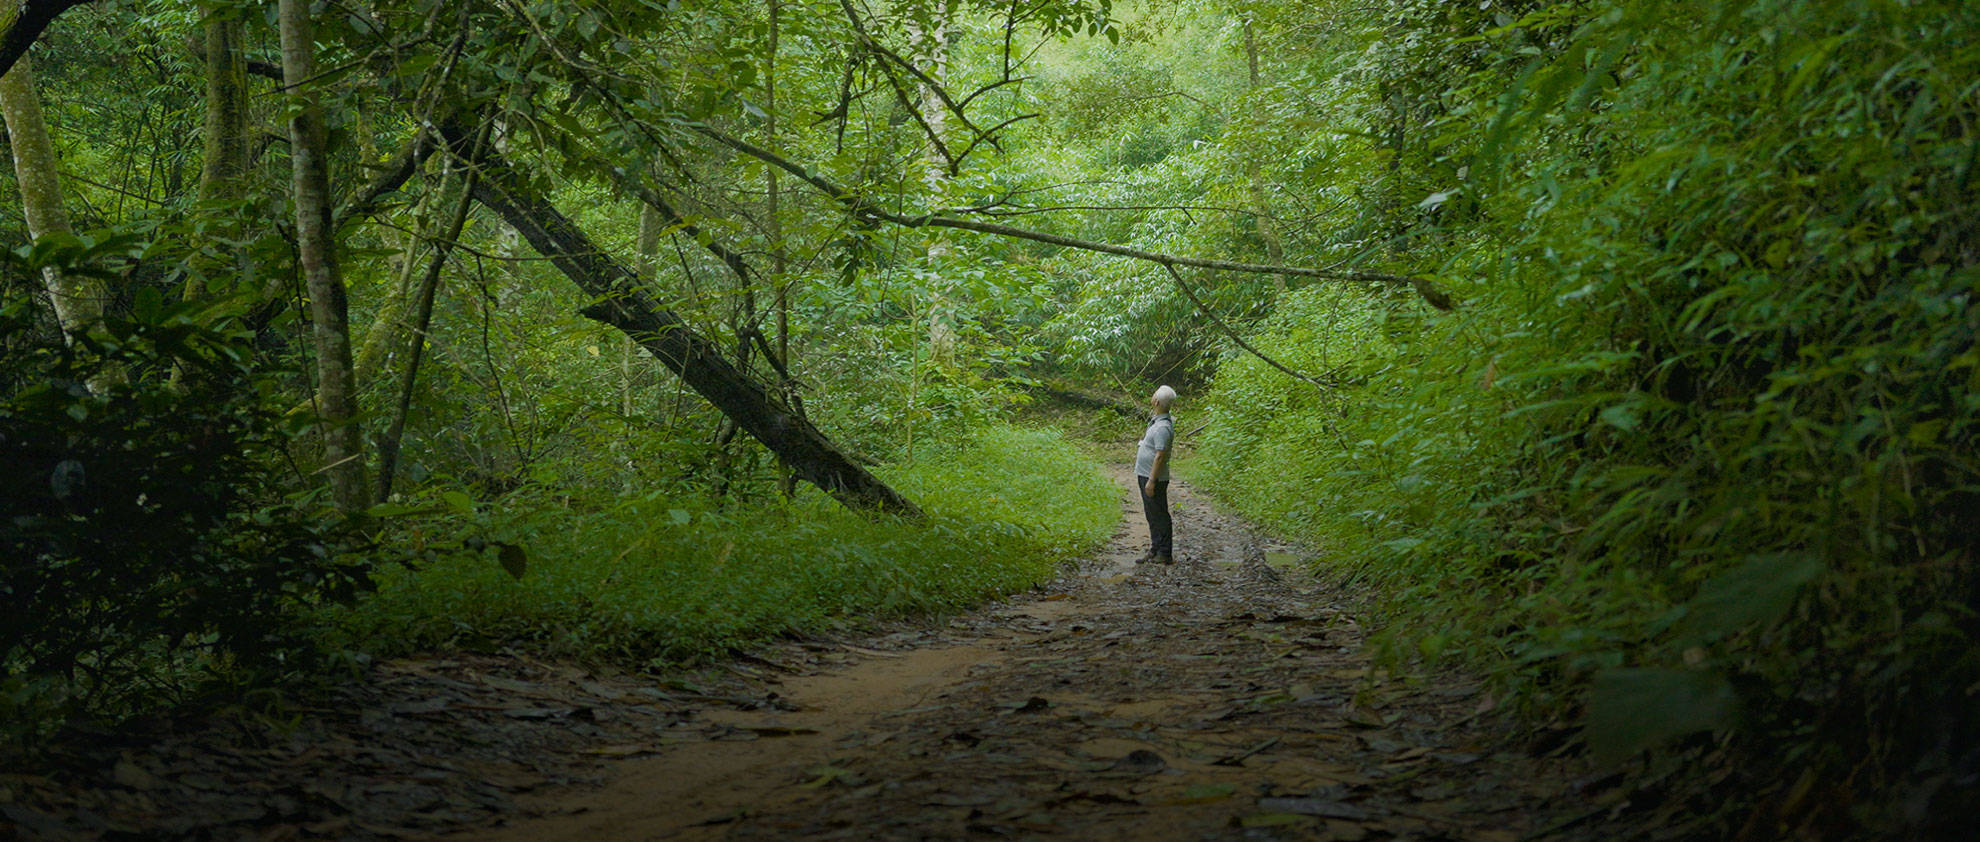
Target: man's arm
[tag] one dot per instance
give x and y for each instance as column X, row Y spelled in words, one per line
column 1155, row 470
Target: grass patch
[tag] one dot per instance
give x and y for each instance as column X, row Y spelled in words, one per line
column 659, row 579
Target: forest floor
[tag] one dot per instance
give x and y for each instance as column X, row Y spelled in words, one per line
column 1226, row 696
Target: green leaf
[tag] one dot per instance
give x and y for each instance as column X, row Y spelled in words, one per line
column 1622, row 416
column 459, row 501
column 1207, row 793
column 1755, row 593
column 513, row 559
column 825, row 775
column 146, row 303
column 1630, row 710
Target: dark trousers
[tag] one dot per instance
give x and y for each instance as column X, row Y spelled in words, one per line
column 1161, row 528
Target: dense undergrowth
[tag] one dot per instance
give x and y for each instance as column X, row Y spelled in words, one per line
column 1694, row 466
column 148, row 552
column 663, row 579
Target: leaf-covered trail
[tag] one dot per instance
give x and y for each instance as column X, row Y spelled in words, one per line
column 1224, row 696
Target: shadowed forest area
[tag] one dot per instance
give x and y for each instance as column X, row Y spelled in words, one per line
column 411, row 409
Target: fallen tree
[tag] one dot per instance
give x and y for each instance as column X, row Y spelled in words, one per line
column 625, row 303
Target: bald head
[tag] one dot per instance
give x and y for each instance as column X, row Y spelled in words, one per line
column 1163, row 397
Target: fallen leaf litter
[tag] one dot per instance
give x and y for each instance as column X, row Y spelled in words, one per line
column 1226, row 696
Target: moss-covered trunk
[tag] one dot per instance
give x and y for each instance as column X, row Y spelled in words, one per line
column 316, row 256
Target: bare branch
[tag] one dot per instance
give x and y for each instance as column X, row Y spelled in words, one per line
column 1233, row 335
column 928, row 83
column 990, row 136
column 394, row 175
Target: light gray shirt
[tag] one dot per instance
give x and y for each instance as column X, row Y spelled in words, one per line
column 1161, row 434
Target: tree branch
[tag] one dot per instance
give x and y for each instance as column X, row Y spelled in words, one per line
column 860, row 207
column 624, row 302
column 20, row 29
column 395, row 175
column 1233, row 334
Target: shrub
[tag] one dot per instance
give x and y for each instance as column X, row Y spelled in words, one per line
column 146, row 547
column 1698, row 455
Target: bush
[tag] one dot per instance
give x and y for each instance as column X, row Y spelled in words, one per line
column 1698, row 455
column 145, row 546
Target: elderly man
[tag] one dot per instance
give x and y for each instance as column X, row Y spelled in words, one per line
column 1151, row 476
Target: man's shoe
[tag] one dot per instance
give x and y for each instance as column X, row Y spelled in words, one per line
column 1145, row 558
column 1163, row 558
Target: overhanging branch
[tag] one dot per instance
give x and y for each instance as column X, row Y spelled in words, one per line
column 1234, row 337
column 859, row 207
column 391, row 177
column 19, row 30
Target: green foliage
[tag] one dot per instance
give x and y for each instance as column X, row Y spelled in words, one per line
column 146, row 548
column 1699, row 450
column 664, row 578
column 1695, row 456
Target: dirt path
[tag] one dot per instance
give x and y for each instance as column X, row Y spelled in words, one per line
column 1221, row 697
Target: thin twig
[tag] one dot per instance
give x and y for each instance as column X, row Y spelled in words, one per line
column 1233, row 335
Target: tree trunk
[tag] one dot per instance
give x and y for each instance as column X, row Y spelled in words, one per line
column 21, row 22
column 646, row 258
column 624, row 302
column 387, row 326
column 316, row 256
column 78, row 300
column 933, row 51
column 774, row 232
column 223, row 149
column 224, row 152
column 1261, row 203
column 780, row 263
column 388, row 446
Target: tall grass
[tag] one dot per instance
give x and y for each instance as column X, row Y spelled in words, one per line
column 659, row 579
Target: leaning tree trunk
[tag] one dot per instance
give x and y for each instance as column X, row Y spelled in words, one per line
column 316, row 256
column 388, row 446
column 21, row 22
column 625, row 303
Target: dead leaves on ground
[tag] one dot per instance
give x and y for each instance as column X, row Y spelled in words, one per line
column 423, row 746
column 1210, row 699
column 1221, row 697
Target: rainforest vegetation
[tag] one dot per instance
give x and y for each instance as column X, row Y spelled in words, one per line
column 1619, row 352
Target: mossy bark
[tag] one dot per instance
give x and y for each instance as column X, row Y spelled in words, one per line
column 224, row 151
column 78, row 300
column 316, row 257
